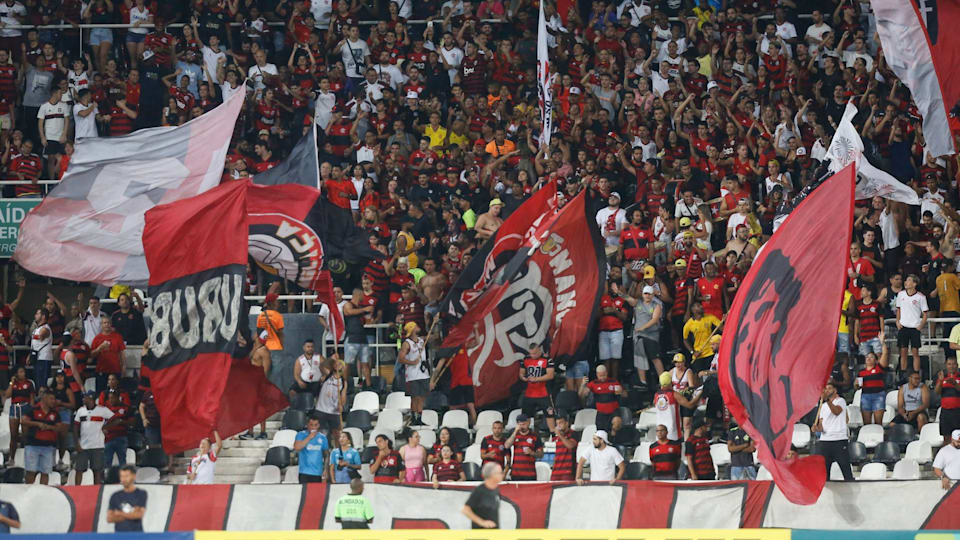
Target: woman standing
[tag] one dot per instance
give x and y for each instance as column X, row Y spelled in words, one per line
column 872, row 382
column 22, row 393
column 417, row 375
column 66, row 404
column 414, row 457
column 203, row 465
column 684, row 381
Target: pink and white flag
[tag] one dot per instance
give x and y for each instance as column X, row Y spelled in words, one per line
column 90, row 227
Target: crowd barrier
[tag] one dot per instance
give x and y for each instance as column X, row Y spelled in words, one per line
column 859, row 506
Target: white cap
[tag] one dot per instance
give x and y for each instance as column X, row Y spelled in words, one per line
column 602, row 435
column 955, row 435
column 574, row 90
column 413, row 95
column 647, row 289
column 801, row 151
column 711, row 85
column 615, row 194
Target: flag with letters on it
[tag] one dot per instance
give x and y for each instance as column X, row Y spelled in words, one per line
column 544, row 81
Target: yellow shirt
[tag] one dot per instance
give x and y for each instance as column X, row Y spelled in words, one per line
column 276, row 323
column 412, row 260
column 844, row 328
column 460, row 140
column 701, row 331
column 947, row 287
column 437, row 137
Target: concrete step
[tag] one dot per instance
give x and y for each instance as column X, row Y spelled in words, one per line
column 176, row 479
column 244, row 452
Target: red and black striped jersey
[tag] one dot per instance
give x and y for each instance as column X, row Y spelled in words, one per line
column 950, row 392
column 565, row 460
column 698, row 452
column 8, row 81
column 873, row 380
column 665, row 458
column 120, row 123
column 497, row 446
column 524, row 464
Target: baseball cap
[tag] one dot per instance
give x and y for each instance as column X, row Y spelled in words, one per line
column 665, row 378
column 679, row 357
column 496, row 202
column 685, row 221
column 263, row 132
column 522, row 418
column 680, row 263
column 647, row 289
column 147, row 54
column 574, row 90
column 711, row 85
column 688, row 234
column 698, row 423
column 649, row 271
column 801, row 151
column 90, row 394
column 409, row 328
column 615, row 194
column 413, row 95
column 602, row 435
column 955, row 435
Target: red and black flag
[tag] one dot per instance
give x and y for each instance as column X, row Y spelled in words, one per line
column 516, row 230
column 196, row 253
column 778, row 350
column 548, row 294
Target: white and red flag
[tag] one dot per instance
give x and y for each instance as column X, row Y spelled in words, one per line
column 544, row 81
column 90, row 227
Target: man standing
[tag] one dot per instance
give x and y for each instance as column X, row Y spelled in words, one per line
column 306, row 371
column 353, row 510
column 128, row 505
column 647, row 316
column 948, row 387
column 527, row 449
column 483, row 505
column 563, row 461
column 606, row 394
column 89, row 424
column 355, row 54
column 665, row 455
column 699, row 460
column 832, row 424
column 53, row 124
column 203, row 466
column 613, row 313
column 912, row 314
column 741, row 448
column 604, row 459
column 493, row 447
column 536, row 370
column 489, row 221
column 85, row 111
column 107, row 349
column 312, row 446
column 8, row 517
column 612, row 220
column 668, row 402
column 43, row 428
column 696, row 336
column 91, row 319
column 946, row 466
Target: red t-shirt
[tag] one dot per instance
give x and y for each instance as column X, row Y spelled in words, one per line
column 863, row 267
column 711, row 293
column 338, row 192
column 110, row 360
column 536, row 367
column 609, row 323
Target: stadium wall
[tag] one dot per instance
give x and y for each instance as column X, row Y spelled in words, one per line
column 887, row 505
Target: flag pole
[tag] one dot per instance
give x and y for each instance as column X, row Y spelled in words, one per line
column 316, row 157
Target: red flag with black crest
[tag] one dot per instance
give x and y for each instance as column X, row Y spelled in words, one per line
column 778, row 346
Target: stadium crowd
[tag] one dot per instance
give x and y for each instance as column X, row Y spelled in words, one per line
column 695, row 123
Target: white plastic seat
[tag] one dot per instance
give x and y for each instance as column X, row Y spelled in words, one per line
column 801, row 435
column 870, row 435
column 647, row 419
column 889, row 413
column 512, row 419
column 292, row 474
column 366, row 401
column 906, row 469
column 89, row 385
column 456, row 418
column 148, row 475
column 356, row 437
column 856, row 397
column 642, row 453
column 266, row 474
column 584, row 418
column 256, row 310
column 131, row 457
column 430, row 418
column 397, row 401
column 931, row 434
column 854, row 417
column 390, row 420
column 427, row 437
column 487, row 418
column 85, row 480
column 472, row 454
column 543, row 471
column 482, row 431
column 284, row 437
column 891, row 399
column 18, row 458
column 836, row 475
column 53, row 480
column 920, row 451
column 372, row 441
column 873, row 471
column 720, row 454
column 586, row 437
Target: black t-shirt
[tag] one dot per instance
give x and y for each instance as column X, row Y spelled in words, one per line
column 739, row 459
column 485, row 503
column 126, row 502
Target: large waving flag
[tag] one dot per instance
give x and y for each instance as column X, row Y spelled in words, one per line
column 927, row 60
column 196, row 253
column 514, row 232
column 90, row 227
column 544, row 80
column 300, row 167
column 846, row 147
column 554, row 281
column 774, row 359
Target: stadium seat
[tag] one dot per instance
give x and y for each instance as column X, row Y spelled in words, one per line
column 567, row 401
column 359, row 419
column 111, row 475
column 919, row 451
column 85, row 480
column 16, row 475
column 720, row 454
column 437, row 401
column 368, row 454
column 584, row 418
column 582, row 450
column 889, row 413
column 148, row 475
column 906, row 469
column 637, row 471
column 854, row 417
column 647, row 420
column 294, row 419
column 887, row 453
column 18, row 458
column 390, row 420
column 378, row 385
column 902, row 434
column 427, row 437
column 303, row 401
column 482, row 431
column 135, row 441
column 457, row 418
column 292, row 475
column 366, row 401
column 628, row 436
column 460, row 437
column 372, row 441
column 642, row 453
column 285, row 438
column 543, row 471
column 53, row 480
column 931, row 433
column 857, row 452
column 626, row 414
column 154, row 457
column 586, row 436
column 397, row 401
column 801, row 435
column 873, row 471
column 356, row 437
column 764, row 474
column 856, row 397
column 429, row 417
column 512, row 419
column 472, row 471
column 891, row 399
column 487, row 418
column 870, row 435
column 266, row 474
column 278, row 456
column 836, row 475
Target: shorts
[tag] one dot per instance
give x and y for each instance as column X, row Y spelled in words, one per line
column 39, row 458
column 53, row 148
column 461, row 395
column 873, row 402
column 312, row 388
column 843, row 343
column 908, row 337
column 134, row 37
column 417, row 388
column 604, row 421
column 644, row 349
column 328, row 421
column 5, row 122
column 872, row 345
column 89, row 459
column 949, row 421
column 748, row 472
column 432, row 308
column 100, row 35
column 17, row 410
column 353, row 350
column 701, row 364
column 66, row 416
column 611, row 345
column 309, row 478
column 152, row 433
column 578, row 370
column 531, row 405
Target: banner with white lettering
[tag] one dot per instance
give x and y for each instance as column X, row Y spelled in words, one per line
column 196, row 252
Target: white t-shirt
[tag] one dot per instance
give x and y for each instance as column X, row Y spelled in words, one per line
column 323, row 108
column 636, row 11
column 54, row 119
column 85, row 127
column 816, row 32
column 354, row 53
column 948, row 460
column 391, row 75
column 611, row 221
column 228, row 92
column 91, row 425
column 911, row 308
column 834, row 425
column 454, row 57
column 603, row 463
column 256, row 73
column 310, row 368
column 419, row 370
column 204, row 465
column 141, row 16
column 7, row 14
column 210, row 58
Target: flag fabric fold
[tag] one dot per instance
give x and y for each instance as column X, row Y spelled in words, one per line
column 300, row 167
column 773, row 358
column 196, row 256
column 925, row 59
column 846, row 147
column 548, row 294
column 90, row 226
column 544, row 80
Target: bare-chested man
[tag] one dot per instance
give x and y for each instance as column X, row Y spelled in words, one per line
column 489, row 221
column 259, row 356
column 739, row 244
column 432, row 288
